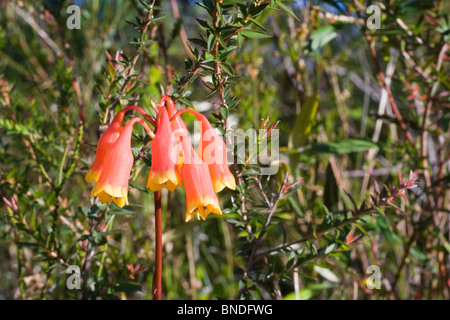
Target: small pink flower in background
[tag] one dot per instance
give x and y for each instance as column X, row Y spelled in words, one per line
column 387, row 197
column 411, row 183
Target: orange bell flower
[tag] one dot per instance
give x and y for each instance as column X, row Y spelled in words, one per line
column 112, row 184
column 212, row 150
column 164, row 172
column 180, row 132
column 106, row 141
column 201, row 199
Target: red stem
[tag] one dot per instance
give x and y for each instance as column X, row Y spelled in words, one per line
column 144, row 124
column 158, row 248
column 144, row 114
column 169, row 104
column 199, row 116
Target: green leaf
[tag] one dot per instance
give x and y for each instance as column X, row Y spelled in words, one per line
column 204, row 24
column 257, row 10
column 208, row 5
column 223, row 54
column 117, row 211
column 211, row 41
column 308, row 292
column 343, row 146
column 380, row 212
column 253, row 34
column 361, row 229
column 186, row 102
column 232, row 2
column 304, row 122
column 224, row 112
column 296, row 207
column 331, row 190
column 330, row 248
column 305, row 294
column 227, row 68
column 322, row 36
column 239, row 39
column 128, row 287
column 302, row 127
column 207, row 67
column 418, row 254
column 259, row 25
column 286, row 9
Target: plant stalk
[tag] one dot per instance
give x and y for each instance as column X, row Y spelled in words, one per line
column 158, row 248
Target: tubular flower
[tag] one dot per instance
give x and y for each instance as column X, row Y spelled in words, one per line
column 201, row 199
column 213, row 151
column 180, row 132
column 164, row 172
column 201, row 179
column 112, row 184
column 106, row 141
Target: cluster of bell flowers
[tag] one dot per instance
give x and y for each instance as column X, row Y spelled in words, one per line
column 174, row 161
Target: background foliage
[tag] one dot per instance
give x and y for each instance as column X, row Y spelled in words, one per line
column 354, row 107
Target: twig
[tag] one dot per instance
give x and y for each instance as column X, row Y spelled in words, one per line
column 318, row 235
column 272, row 206
column 128, row 70
column 28, row 19
column 382, row 80
column 183, row 36
column 426, row 116
column 105, row 247
column 402, row 263
column 242, row 200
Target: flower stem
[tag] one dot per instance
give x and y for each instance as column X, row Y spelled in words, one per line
column 144, row 114
column 200, row 117
column 158, row 248
column 144, row 124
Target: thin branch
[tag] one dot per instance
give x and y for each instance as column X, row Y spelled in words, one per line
column 41, row 33
column 318, row 235
column 382, row 80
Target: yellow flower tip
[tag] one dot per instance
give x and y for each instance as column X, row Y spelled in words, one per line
column 189, row 216
column 92, row 176
column 107, row 193
column 170, row 181
column 169, row 185
column 220, row 184
column 104, row 197
column 231, row 183
column 202, row 209
column 120, row 201
column 125, row 196
column 154, row 186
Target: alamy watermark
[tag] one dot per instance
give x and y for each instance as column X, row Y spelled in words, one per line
column 374, row 20
column 260, row 148
column 374, row 280
column 74, row 17
column 74, row 280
